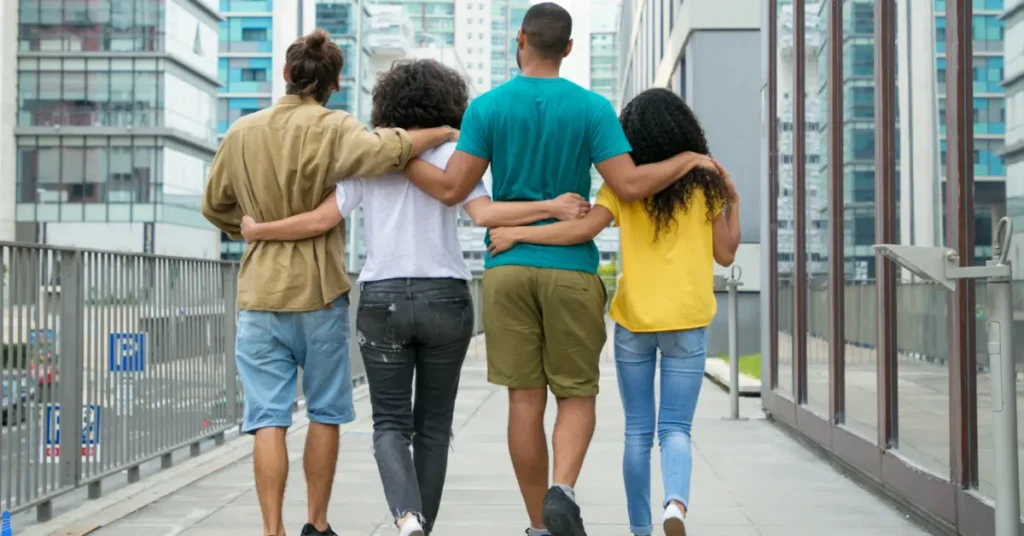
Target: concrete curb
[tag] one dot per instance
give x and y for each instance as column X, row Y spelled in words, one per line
column 95, row 514
column 717, row 371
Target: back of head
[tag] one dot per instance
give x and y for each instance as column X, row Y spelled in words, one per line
column 313, row 66
column 419, row 94
column 659, row 125
column 548, row 29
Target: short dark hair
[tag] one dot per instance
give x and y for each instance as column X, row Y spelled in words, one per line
column 314, row 65
column 419, row 94
column 548, row 29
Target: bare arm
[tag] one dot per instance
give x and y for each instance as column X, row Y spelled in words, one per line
column 631, row 182
column 726, row 230
column 220, row 205
column 452, row 184
column 487, row 213
column 298, row 227
column 564, row 233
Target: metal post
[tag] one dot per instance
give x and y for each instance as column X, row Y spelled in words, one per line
column 731, row 285
column 1003, row 370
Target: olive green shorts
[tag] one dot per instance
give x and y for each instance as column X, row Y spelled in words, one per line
column 544, row 328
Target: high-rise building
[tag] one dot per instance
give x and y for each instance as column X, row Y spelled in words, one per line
column 8, row 117
column 920, row 127
column 254, row 36
column 506, row 19
column 433, row 21
column 115, row 131
column 347, row 21
column 473, row 40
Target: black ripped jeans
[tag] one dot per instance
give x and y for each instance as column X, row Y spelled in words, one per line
column 414, row 328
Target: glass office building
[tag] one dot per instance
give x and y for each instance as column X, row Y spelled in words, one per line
column 115, row 129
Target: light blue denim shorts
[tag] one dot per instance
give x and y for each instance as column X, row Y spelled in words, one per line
column 269, row 350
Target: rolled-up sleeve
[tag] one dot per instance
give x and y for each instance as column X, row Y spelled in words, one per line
column 362, row 153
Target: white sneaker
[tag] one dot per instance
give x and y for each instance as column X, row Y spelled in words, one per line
column 673, row 522
column 411, row 527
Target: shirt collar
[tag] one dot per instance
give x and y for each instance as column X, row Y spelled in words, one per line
column 296, row 100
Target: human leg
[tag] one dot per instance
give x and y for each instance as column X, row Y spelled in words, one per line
column 636, row 363
column 682, row 373
column 514, row 334
column 444, row 326
column 386, row 328
column 327, row 386
column 572, row 304
column 268, row 369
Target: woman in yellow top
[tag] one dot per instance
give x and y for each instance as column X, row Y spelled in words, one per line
column 665, row 297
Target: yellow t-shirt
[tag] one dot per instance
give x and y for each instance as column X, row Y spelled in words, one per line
column 668, row 284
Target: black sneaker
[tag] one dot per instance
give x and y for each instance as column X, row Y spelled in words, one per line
column 562, row 514
column 310, row 530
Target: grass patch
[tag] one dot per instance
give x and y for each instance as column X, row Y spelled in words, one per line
column 749, row 365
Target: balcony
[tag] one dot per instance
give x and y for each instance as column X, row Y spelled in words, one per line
column 391, row 33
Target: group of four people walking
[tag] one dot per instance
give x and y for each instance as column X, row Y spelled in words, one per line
column 287, row 177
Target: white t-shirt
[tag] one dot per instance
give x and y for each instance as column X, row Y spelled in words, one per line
column 407, row 232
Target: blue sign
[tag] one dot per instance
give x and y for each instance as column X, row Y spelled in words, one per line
column 127, row 352
column 5, row 524
column 90, row 432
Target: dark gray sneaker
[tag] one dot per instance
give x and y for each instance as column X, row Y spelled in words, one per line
column 310, row 530
column 562, row 514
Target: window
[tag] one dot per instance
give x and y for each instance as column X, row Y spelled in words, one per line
column 254, row 75
column 254, row 34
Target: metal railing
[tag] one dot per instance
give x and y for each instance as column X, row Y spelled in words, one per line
column 130, row 355
column 921, row 320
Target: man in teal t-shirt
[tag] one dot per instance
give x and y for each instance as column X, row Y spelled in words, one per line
column 544, row 305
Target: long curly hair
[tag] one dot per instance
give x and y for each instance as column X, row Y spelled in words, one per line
column 419, row 94
column 659, row 125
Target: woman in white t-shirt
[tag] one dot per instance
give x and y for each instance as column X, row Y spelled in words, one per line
column 415, row 315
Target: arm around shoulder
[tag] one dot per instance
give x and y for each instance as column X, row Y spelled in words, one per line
column 362, row 153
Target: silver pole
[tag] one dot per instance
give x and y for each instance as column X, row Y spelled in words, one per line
column 731, row 285
column 1002, row 367
column 734, row 355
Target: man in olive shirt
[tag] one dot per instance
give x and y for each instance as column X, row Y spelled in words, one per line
column 293, row 296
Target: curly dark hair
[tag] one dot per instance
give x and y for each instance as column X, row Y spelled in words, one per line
column 419, row 94
column 659, row 125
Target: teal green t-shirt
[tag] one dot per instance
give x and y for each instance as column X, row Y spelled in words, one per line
column 541, row 136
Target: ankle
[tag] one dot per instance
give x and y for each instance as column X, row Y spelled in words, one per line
column 679, row 505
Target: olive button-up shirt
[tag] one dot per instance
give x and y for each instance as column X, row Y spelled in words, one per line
column 286, row 160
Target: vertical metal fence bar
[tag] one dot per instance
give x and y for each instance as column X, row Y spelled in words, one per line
column 228, row 279
column 70, row 409
column 6, row 369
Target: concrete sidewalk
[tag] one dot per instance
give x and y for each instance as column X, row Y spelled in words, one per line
column 749, row 479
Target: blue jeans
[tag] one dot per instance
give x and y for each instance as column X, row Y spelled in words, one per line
column 270, row 348
column 683, row 354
